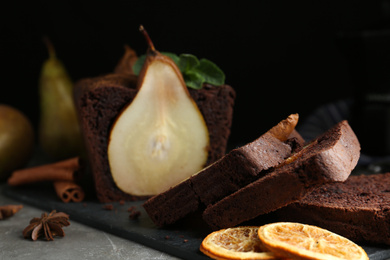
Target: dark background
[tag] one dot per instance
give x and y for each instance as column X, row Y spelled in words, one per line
column 281, row 57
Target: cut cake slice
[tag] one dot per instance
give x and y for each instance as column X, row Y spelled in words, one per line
column 329, row 158
column 233, row 171
column 358, row 209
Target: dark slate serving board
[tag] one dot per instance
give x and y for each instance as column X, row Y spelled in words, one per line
column 181, row 240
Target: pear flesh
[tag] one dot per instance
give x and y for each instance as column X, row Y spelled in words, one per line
column 161, row 138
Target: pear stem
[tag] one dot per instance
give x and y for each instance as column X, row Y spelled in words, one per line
column 50, row 47
column 148, row 40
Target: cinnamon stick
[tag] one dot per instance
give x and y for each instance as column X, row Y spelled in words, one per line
column 71, row 163
column 9, row 210
column 63, row 174
column 65, row 170
column 69, row 191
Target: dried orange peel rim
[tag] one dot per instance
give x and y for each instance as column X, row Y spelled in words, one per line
column 232, row 245
column 323, row 243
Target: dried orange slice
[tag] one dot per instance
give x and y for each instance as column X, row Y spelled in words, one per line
column 301, row 241
column 235, row 243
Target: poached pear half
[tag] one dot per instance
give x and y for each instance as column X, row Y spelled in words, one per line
column 160, row 138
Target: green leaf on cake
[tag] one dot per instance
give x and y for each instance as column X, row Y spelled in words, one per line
column 195, row 72
column 193, row 80
column 211, row 73
column 173, row 56
column 187, row 62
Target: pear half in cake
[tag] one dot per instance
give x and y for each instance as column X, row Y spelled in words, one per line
column 161, row 137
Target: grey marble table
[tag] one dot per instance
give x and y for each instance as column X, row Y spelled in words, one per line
column 80, row 241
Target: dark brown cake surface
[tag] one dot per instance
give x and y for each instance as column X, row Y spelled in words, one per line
column 233, row 171
column 239, row 168
column 357, row 209
column 100, row 99
column 97, row 112
column 330, row 158
column 173, row 204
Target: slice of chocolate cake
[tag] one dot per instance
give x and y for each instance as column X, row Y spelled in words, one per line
column 358, row 209
column 233, row 171
column 99, row 100
column 329, row 158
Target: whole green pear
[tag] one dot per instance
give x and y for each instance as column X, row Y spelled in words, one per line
column 16, row 140
column 59, row 131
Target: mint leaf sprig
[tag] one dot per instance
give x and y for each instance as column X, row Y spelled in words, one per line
column 195, row 72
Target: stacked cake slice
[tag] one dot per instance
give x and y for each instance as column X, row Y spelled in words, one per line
column 327, row 159
column 260, row 177
column 358, row 208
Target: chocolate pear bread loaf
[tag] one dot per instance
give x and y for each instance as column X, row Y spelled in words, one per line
column 358, row 208
column 233, row 171
column 329, row 158
column 99, row 100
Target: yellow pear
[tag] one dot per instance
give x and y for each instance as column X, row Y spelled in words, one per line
column 59, row 131
column 16, row 140
column 160, row 138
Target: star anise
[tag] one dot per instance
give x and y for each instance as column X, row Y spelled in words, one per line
column 47, row 225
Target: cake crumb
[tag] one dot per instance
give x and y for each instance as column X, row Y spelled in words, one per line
column 135, row 214
column 122, row 202
column 185, row 240
column 108, row 207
